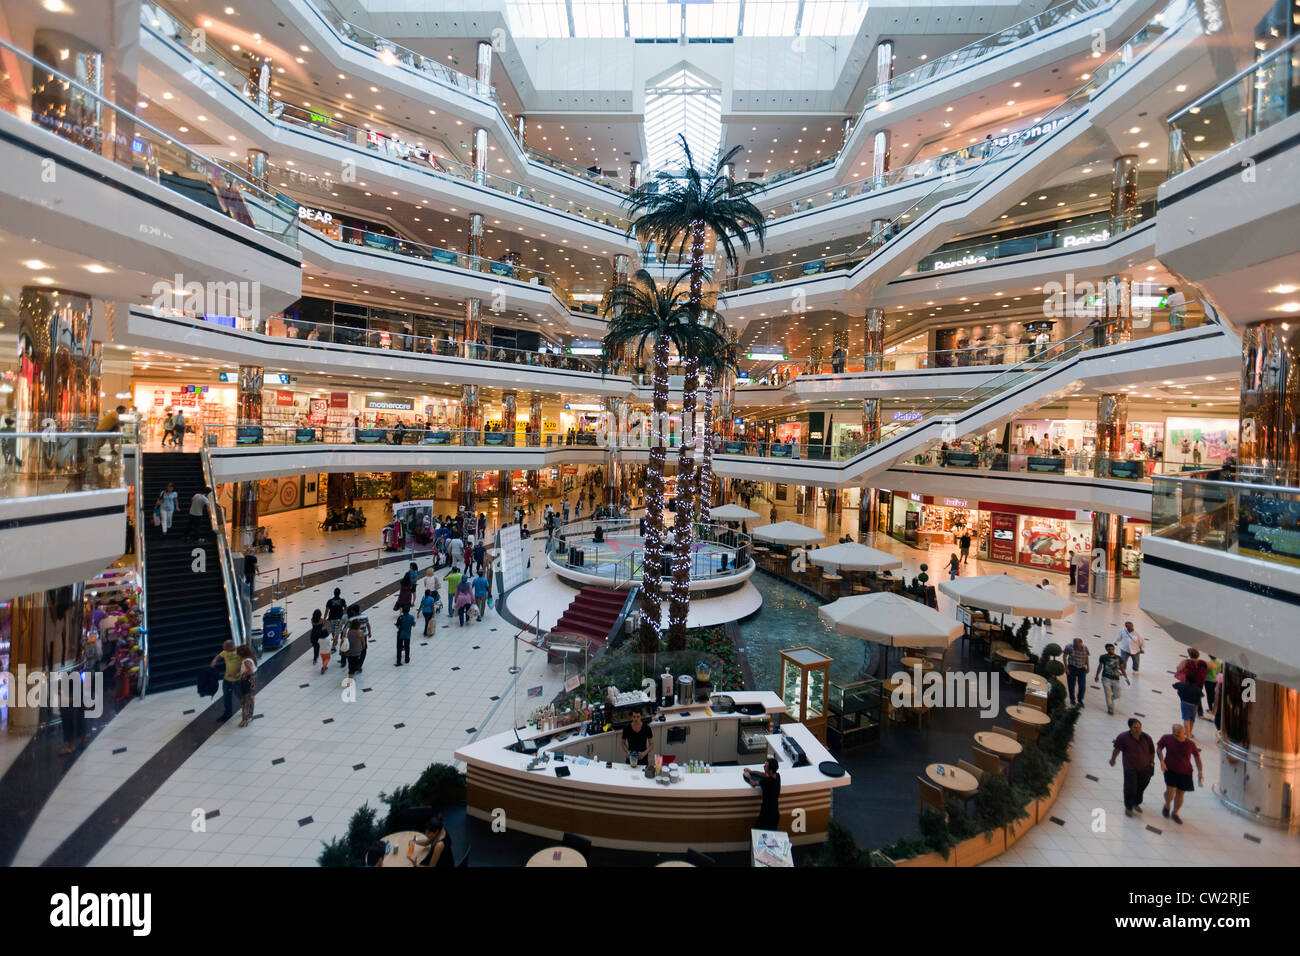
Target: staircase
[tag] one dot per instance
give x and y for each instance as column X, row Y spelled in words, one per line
column 188, row 620
column 592, row 613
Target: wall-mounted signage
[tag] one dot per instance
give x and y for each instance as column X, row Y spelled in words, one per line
column 307, row 214
column 906, row 416
column 966, row 260
column 338, row 399
column 1086, row 239
column 390, row 404
column 956, row 502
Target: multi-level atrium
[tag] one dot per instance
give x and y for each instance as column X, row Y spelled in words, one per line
column 777, row 432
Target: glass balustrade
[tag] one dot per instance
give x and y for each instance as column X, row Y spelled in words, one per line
column 59, row 462
column 38, row 93
column 1256, row 99
column 1256, row 519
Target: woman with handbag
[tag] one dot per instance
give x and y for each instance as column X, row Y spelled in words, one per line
column 247, row 682
column 165, row 507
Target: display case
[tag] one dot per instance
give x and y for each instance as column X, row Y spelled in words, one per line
column 804, row 676
column 853, row 712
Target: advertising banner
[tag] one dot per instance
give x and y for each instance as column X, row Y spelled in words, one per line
column 1002, row 541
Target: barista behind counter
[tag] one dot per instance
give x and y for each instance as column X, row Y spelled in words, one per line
column 638, row 740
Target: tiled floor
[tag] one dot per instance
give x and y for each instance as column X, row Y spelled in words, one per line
column 271, row 792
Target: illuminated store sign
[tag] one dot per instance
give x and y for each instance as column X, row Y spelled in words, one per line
column 1086, row 239
column 390, row 405
column 307, row 214
column 966, row 260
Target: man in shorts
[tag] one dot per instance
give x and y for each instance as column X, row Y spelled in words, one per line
column 336, row 610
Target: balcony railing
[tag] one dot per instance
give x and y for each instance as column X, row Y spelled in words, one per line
column 59, row 462
column 79, row 115
column 1259, row 520
column 229, row 436
column 1256, row 99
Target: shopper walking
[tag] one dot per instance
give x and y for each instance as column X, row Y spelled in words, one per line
column 429, row 608
column 405, row 624
column 965, row 546
column 1131, row 645
column 405, row 594
column 166, row 507
column 463, row 599
column 247, row 682
column 336, row 610
column 1176, row 754
column 1212, row 671
column 1139, row 764
column 1189, row 698
column 1109, row 670
column 953, row 567
column 480, row 552
column 356, row 648
column 1076, row 670
column 228, row 657
column 319, row 632
column 453, row 579
column 1195, row 674
column 250, row 572
column 178, row 429
column 480, row 588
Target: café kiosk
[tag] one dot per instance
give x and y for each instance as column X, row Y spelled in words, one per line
column 568, row 780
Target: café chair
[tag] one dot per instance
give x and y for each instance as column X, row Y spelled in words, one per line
column 1036, row 701
column 930, row 796
column 1026, row 732
column 575, row 842
column 1006, row 733
column 986, row 760
column 970, row 768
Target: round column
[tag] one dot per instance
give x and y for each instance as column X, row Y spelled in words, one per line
column 884, row 64
column 509, row 412
column 521, row 130
column 1112, row 431
column 478, row 156
column 256, row 164
column 244, row 515
column 474, row 241
column 470, row 423
column 846, row 130
column 1259, row 770
column 68, row 111
column 45, row 633
column 874, row 335
column 58, row 364
column 473, row 328
column 1107, row 544
column 248, row 400
column 535, row 419
column 1270, row 403
column 880, row 158
column 634, row 175
column 483, row 65
column 1119, row 311
column 1123, row 194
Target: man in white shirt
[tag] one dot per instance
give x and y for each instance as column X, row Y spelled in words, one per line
column 199, row 505
column 1130, row 644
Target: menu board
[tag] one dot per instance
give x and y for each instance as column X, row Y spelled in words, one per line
column 1002, row 540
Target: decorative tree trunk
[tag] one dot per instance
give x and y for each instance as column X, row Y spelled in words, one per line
column 652, row 564
column 684, row 526
column 704, row 498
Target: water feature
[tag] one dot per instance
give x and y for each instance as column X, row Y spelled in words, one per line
column 788, row 618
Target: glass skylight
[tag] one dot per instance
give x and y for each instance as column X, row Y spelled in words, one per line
column 672, row 19
column 683, row 103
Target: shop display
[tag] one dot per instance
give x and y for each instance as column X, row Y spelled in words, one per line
column 1200, row 442
column 804, row 675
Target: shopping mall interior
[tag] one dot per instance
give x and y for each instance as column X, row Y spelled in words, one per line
column 764, row 433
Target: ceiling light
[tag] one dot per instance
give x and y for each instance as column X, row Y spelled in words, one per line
column 36, row 265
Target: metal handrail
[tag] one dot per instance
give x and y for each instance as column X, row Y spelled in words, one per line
column 234, row 603
column 1241, row 74
column 141, row 573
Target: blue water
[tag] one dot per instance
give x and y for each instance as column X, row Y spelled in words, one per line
column 788, row 618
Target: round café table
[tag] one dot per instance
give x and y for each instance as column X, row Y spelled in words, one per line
column 401, row 842
column 912, row 663
column 953, row 778
column 1029, row 679
column 1000, row 744
column 557, row 856
column 1010, row 654
column 673, row 863
column 1029, row 715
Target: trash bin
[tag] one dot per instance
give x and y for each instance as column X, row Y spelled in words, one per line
column 273, row 627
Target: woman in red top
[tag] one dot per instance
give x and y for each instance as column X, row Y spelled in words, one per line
column 1176, row 753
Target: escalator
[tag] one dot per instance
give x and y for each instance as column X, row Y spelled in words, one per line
column 185, row 578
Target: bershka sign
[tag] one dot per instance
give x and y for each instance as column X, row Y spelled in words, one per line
column 77, row 909
column 966, row 260
column 1086, row 239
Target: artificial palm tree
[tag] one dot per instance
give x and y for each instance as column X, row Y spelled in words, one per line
column 639, row 313
column 678, row 208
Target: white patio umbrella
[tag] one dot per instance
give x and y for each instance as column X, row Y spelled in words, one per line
column 852, row 556
column 1002, row 592
column 788, row 532
column 890, row 619
column 731, row 513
